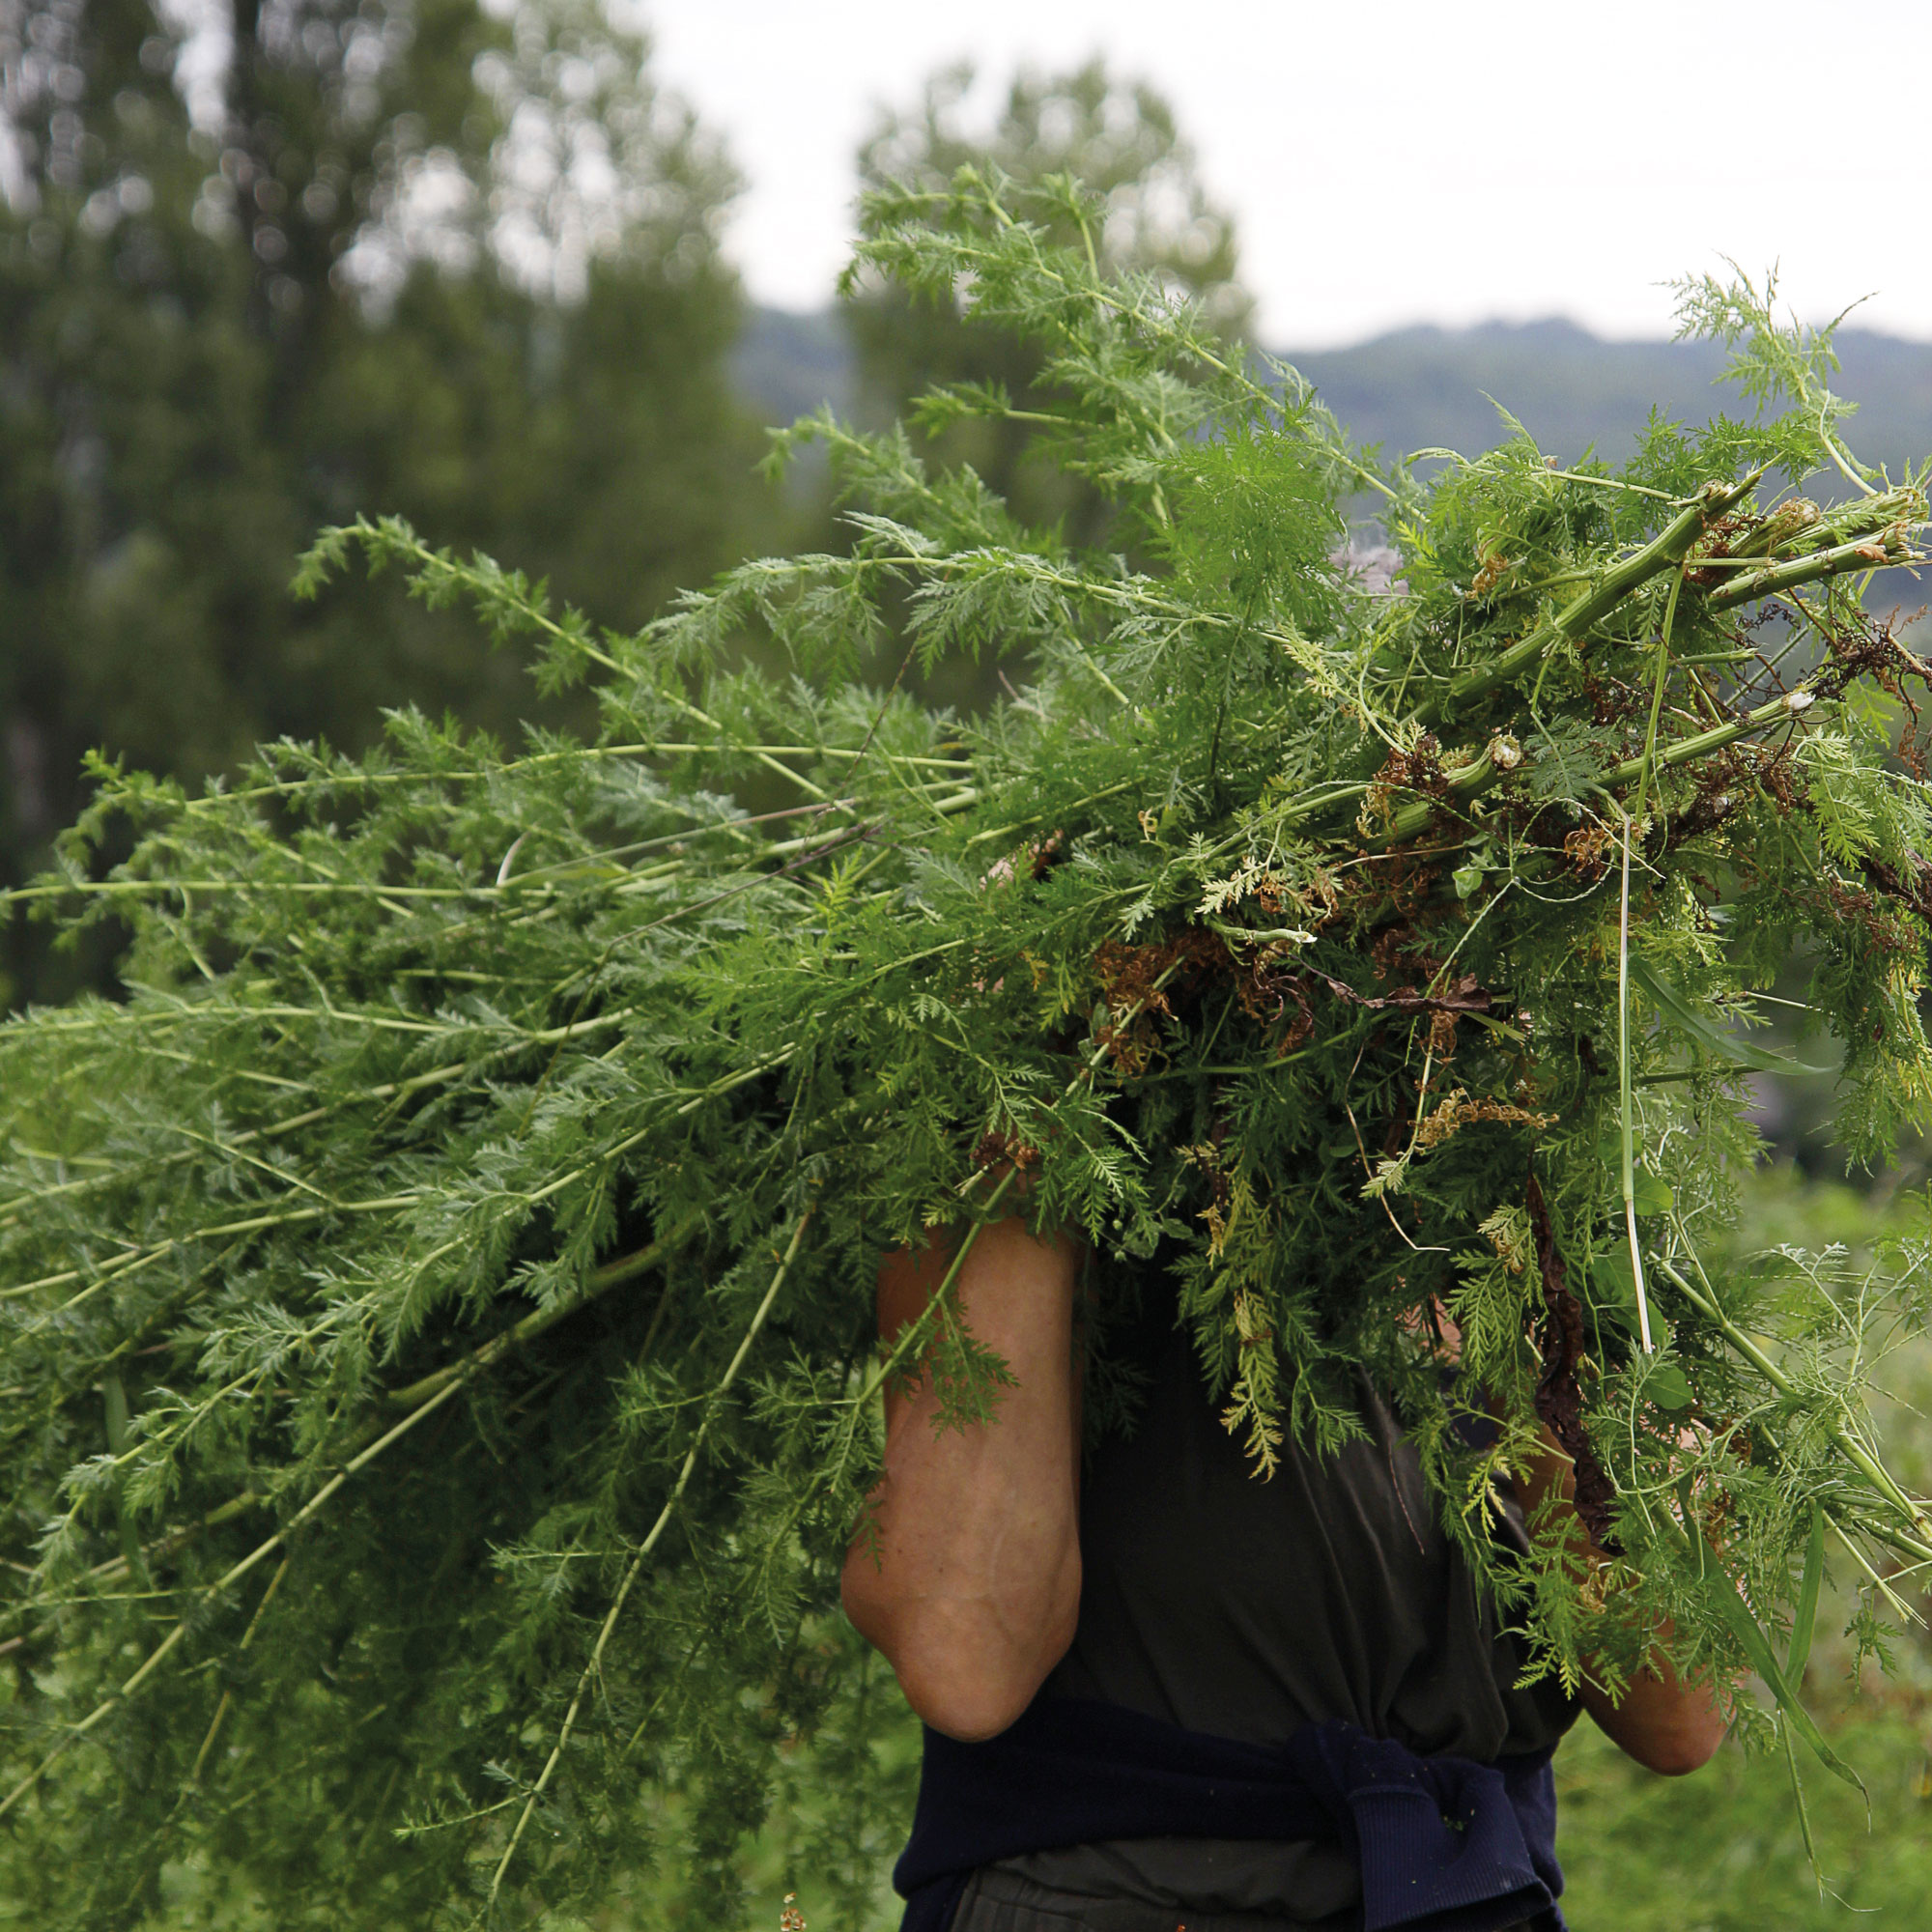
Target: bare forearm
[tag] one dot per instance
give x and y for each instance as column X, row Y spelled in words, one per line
column 970, row 1581
column 1666, row 1724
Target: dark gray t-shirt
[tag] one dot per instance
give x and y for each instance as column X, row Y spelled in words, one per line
column 1249, row 1607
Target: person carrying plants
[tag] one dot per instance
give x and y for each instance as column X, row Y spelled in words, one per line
column 1160, row 1692
column 485, row 1178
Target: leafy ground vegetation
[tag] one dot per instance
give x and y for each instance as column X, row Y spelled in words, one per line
column 437, row 1321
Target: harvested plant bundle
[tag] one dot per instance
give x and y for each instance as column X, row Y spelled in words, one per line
column 439, row 1337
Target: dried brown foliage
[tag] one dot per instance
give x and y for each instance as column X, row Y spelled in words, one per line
column 1559, row 1392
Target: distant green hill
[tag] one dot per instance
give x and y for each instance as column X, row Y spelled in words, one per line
column 1573, row 391
column 1423, row 386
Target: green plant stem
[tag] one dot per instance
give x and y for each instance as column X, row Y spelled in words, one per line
column 668, row 748
column 1868, row 553
column 1669, row 545
column 289, row 788
column 644, row 1549
column 1613, row 483
column 1656, row 692
column 1481, row 773
column 169, row 1540
column 228, row 1691
column 612, row 1274
column 324, row 888
column 1626, row 1121
column 1625, row 1106
column 1853, row 1450
column 253, row 1224
column 227, row 1580
column 758, row 752
column 392, row 1090
column 1006, row 831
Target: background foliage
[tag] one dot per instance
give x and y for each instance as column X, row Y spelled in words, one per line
column 403, row 258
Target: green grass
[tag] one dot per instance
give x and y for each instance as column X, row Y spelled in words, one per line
column 1721, row 1851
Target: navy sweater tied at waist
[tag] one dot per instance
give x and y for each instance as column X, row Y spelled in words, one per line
column 1445, row 1844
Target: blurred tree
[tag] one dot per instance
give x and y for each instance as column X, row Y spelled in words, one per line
column 1117, row 137
column 311, row 258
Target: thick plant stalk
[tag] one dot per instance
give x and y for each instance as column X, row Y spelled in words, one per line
column 1890, row 547
column 1481, row 773
column 1669, row 545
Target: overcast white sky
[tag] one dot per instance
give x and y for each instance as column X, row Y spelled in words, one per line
column 1404, row 163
